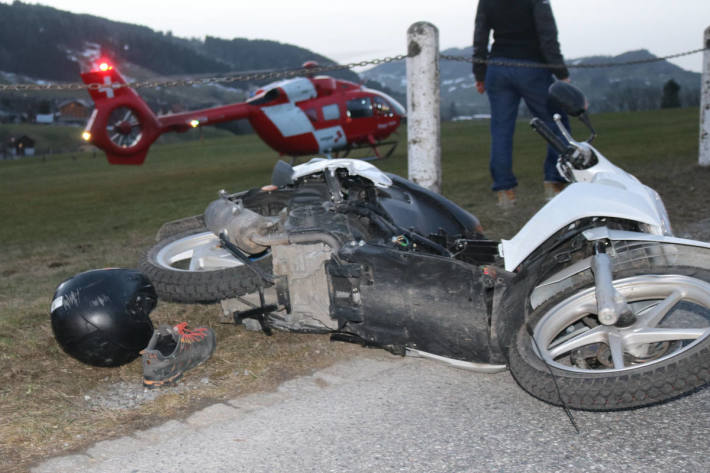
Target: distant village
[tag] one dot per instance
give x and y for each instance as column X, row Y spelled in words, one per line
column 70, row 112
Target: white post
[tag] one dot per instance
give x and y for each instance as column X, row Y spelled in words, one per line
column 423, row 101
column 704, row 158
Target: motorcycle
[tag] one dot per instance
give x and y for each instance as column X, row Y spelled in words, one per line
column 593, row 304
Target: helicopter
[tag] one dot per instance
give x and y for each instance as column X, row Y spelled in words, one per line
column 296, row 117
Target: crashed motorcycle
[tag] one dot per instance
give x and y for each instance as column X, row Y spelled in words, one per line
column 594, row 304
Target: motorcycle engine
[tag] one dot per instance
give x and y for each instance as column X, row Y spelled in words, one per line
column 302, row 237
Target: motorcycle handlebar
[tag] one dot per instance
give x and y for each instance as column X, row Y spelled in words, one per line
column 544, row 131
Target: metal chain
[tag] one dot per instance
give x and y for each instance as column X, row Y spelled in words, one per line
column 247, row 77
column 289, row 73
column 538, row 65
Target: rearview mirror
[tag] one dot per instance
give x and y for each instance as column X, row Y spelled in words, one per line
column 567, row 98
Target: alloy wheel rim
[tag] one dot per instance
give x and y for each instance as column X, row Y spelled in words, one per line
column 567, row 331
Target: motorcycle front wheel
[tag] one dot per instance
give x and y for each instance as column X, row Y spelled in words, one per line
column 193, row 267
column 564, row 355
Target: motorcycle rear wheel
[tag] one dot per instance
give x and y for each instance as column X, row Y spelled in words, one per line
column 664, row 354
column 192, row 267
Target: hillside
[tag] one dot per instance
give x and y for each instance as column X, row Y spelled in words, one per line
column 40, row 44
column 46, row 43
column 622, row 88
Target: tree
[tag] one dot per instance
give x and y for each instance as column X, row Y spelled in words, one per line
column 45, row 107
column 671, row 96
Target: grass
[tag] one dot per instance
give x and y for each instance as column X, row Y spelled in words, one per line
column 69, row 213
column 57, row 138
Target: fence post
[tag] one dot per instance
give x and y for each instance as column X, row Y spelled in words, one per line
column 423, row 100
column 704, row 157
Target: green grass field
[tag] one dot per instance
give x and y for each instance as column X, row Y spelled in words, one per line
column 54, row 139
column 73, row 212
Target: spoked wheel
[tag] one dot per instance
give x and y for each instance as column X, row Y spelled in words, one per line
column 124, row 127
column 193, row 267
column 662, row 353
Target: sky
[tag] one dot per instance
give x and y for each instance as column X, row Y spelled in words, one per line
column 367, row 29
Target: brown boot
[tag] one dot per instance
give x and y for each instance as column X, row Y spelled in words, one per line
column 506, row 198
column 552, row 188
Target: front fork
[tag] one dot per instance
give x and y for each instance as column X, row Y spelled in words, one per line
column 612, row 308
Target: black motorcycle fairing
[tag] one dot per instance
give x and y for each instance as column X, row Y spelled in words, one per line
column 428, row 213
column 391, row 298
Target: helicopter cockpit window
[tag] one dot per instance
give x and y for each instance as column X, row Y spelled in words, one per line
column 382, row 107
column 359, row 108
column 331, row 112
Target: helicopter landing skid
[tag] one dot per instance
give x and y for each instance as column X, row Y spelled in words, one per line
column 391, row 146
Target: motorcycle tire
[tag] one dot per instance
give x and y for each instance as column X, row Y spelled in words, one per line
column 177, row 278
column 664, row 354
column 168, row 229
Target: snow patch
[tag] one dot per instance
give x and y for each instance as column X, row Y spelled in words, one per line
column 87, row 57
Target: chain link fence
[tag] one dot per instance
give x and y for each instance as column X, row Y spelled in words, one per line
column 290, row 73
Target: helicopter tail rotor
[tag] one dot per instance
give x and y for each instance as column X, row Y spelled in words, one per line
column 122, row 124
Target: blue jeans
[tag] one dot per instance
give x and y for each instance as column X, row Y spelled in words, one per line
column 505, row 86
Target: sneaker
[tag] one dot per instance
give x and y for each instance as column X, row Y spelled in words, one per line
column 552, row 188
column 506, row 198
column 174, row 350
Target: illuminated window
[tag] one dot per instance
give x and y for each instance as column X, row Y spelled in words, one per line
column 382, row 107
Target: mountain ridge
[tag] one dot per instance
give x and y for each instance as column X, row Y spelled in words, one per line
column 618, row 88
column 40, row 44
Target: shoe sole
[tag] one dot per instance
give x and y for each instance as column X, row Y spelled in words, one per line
column 159, row 383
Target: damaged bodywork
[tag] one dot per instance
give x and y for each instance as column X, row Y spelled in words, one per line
column 365, row 256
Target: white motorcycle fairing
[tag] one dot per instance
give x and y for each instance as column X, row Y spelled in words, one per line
column 603, row 190
column 355, row 167
column 578, row 201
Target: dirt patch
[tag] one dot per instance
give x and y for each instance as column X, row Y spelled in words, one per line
column 686, row 193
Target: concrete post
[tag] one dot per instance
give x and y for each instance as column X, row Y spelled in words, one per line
column 704, row 158
column 423, row 101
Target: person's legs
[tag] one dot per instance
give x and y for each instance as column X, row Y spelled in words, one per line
column 504, row 101
column 534, row 85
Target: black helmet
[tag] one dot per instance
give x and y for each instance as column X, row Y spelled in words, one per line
column 100, row 317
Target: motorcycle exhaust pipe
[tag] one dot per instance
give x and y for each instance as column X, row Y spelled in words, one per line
column 240, row 225
column 253, row 233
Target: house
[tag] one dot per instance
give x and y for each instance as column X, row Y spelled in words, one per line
column 22, row 146
column 74, row 111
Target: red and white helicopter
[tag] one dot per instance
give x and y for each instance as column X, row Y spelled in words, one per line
column 296, row 117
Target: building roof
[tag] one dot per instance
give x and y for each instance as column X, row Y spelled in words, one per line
column 81, row 102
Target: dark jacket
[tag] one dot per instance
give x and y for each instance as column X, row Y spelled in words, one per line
column 522, row 29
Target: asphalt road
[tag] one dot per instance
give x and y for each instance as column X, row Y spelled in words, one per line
column 380, row 413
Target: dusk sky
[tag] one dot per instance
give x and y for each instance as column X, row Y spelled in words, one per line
column 367, row 29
